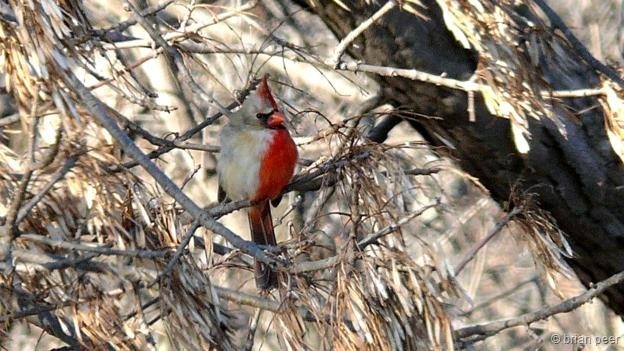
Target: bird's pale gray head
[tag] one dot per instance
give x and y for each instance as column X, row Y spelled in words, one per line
column 260, row 109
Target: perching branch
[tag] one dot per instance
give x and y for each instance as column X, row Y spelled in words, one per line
column 481, row 331
column 98, row 111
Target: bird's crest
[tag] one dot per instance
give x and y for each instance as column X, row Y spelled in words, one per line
column 265, row 96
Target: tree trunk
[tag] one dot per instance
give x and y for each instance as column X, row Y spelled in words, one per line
column 577, row 177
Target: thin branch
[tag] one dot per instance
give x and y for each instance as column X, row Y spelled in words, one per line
column 185, row 241
column 43, row 262
column 97, row 110
column 580, row 93
column 373, row 238
column 456, row 84
column 311, row 266
column 170, row 145
column 515, row 289
column 485, row 330
column 106, row 251
column 379, row 133
column 11, row 316
column 479, row 245
column 557, row 22
column 253, row 327
column 45, row 319
column 194, row 146
column 12, row 213
column 11, row 217
column 247, row 299
column 349, row 38
column 180, row 35
column 122, row 26
column 228, row 207
column 410, row 74
column 324, row 168
column 387, row 71
column 96, row 249
column 23, row 212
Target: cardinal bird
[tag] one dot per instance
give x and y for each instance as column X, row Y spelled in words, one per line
column 256, row 162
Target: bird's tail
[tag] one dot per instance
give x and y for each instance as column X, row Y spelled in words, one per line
column 261, row 227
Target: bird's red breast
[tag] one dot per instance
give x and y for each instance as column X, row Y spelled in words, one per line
column 278, row 165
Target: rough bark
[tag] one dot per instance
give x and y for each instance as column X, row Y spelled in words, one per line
column 578, row 178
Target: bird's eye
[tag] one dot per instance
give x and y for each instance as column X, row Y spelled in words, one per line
column 264, row 116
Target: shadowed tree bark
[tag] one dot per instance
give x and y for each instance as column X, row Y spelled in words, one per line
column 576, row 177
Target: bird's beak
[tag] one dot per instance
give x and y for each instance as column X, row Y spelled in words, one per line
column 276, row 119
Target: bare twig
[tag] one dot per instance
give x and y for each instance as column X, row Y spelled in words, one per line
column 180, row 35
column 479, row 245
column 311, row 266
column 324, row 168
column 97, row 110
column 247, row 299
column 387, row 71
column 253, row 327
column 349, row 38
column 170, row 145
column 12, row 213
column 579, row 93
column 557, row 22
column 500, row 296
column 467, row 85
column 69, row 164
column 122, row 26
column 43, row 262
column 96, row 249
column 32, row 311
column 183, row 244
column 481, row 331
column 373, row 238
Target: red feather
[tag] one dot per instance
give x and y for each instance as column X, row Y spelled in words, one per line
column 278, row 165
column 276, row 169
column 261, row 227
column 265, row 93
